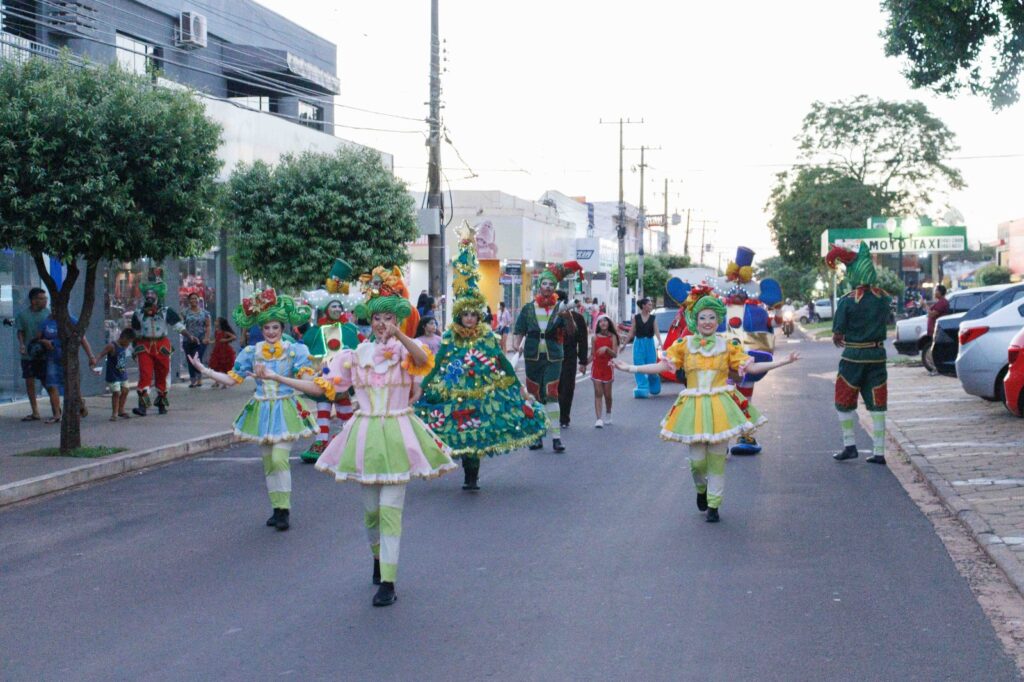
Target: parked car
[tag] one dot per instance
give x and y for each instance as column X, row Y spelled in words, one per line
column 663, row 317
column 912, row 333
column 1013, row 384
column 946, row 341
column 822, row 310
column 981, row 364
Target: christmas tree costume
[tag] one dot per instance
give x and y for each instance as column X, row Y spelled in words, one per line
column 275, row 416
column 384, row 445
column 151, row 323
column 859, row 327
column 472, row 399
column 332, row 332
column 709, row 411
column 541, row 322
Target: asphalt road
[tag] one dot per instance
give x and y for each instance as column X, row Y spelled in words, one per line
column 594, row 564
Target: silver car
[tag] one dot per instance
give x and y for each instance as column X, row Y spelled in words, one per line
column 981, row 362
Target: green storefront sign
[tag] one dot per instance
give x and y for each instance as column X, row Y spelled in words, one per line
column 924, row 239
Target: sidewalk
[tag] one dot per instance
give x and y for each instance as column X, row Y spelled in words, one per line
column 199, row 420
column 971, row 453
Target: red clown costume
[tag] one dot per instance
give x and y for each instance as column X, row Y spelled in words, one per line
column 151, row 323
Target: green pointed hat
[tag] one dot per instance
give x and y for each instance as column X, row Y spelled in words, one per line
column 860, row 270
column 466, row 277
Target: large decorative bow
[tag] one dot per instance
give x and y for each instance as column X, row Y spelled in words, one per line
column 260, row 302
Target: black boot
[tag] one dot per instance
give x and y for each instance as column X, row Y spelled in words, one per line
column 281, row 522
column 141, row 409
column 376, row 571
column 849, row 452
column 556, row 445
column 272, row 521
column 385, row 595
column 876, row 459
column 471, row 466
column 537, row 444
column 702, row 501
column 712, row 516
column 161, row 404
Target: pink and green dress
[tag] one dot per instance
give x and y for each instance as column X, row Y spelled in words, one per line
column 384, row 443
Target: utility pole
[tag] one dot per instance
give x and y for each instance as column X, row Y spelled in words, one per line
column 435, row 242
column 664, row 244
column 641, row 224
column 686, row 240
column 620, row 227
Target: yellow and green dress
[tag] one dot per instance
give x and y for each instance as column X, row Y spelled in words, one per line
column 709, row 409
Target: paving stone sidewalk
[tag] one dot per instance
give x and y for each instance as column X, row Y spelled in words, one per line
column 972, row 454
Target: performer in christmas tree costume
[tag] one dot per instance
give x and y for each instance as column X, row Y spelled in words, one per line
column 540, row 324
column 332, row 332
column 709, row 411
column 385, row 444
column 275, row 416
column 859, row 329
column 472, row 399
column 152, row 323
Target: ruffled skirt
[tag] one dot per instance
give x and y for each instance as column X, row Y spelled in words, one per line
column 710, row 417
column 385, row 450
column 274, row 421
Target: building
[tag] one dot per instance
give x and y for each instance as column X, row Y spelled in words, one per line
column 1010, row 247
column 266, row 80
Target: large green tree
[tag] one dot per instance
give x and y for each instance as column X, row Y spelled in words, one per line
column 797, row 283
column 655, row 276
column 288, row 222
column 951, row 45
column 99, row 164
column 808, row 201
column 897, row 148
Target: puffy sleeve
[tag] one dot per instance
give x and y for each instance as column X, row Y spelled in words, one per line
column 676, row 353
column 243, row 364
column 336, row 375
column 302, row 365
column 738, row 357
column 418, row 371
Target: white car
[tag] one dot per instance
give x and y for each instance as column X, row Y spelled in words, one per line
column 981, row 362
column 912, row 333
column 822, row 310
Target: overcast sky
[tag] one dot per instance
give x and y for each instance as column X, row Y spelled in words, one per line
column 722, row 88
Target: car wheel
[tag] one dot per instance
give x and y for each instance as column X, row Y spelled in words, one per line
column 927, row 361
column 803, row 319
column 1000, row 392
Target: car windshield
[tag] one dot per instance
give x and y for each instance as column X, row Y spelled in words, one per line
column 995, row 302
column 964, row 302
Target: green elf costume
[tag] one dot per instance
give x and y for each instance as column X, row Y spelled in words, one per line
column 472, row 399
column 859, row 329
column 332, row 332
column 542, row 323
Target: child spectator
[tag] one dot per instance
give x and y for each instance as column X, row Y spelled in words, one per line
column 222, row 358
column 426, row 331
column 117, row 353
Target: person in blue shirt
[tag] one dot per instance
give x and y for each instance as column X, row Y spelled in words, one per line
column 53, row 381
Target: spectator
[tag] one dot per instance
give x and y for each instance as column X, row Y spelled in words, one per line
column 33, row 365
column 937, row 309
column 574, row 352
column 425, row 304
column 604, row 350
column 54, row 379
column 116, row 375
column 196, row 336
column 426, row 331
column 504, row 325
column 222, row 357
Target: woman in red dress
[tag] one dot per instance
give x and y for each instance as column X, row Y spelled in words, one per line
column 604, row 348
column 222, row 358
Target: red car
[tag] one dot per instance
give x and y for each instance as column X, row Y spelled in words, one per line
column 1013, row 383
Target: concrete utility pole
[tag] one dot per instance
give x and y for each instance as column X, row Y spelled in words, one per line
column 686, row 240
column 620, row 227
column 664, row 246
column 435, row 242
column 641, row 224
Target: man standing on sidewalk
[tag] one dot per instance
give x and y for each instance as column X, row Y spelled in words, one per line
column 33, row 368
column 859, row 329
column 574, row 352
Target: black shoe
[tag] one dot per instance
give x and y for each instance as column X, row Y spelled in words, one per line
column 702, row 501
column 161, row 404
column 556, row 445
column 376, row 571
column 712, row 516
column 876, row 459
column 849, row 452
column 272, row 521
column 282, row 519
column 139, row 411
column 537, row 444
column 385, row 595
column 472, row 472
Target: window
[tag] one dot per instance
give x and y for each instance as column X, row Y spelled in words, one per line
column 311, row 115
column 268, row 104
column 135, row 56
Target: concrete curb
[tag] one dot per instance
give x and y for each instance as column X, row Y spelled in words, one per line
column 979, row 528
column 109, row 467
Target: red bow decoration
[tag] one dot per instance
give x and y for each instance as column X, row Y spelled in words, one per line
column 528, row 410
column 260, row 302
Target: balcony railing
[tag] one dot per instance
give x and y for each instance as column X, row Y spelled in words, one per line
column 16, row 48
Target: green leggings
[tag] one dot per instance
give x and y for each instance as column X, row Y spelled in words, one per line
column 707, row 464
column 278, row 473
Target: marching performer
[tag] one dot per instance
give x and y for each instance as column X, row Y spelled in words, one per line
column 152, row 323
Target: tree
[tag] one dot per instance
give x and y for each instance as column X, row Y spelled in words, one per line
column 673, row 261
column 797, row 284
column 897, row 148
column 655, row 276
column 992, row 274
column 947, row 43
column 814, row 199
column 312, row 208
column 99, row 164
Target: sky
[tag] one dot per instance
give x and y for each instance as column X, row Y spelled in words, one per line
column 721, row 88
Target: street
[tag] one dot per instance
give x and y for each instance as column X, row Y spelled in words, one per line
column 594, row 564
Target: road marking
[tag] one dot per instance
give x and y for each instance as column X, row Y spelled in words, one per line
column 238, row 459
column 990, row 481
column 927, row 419
column 930, row 401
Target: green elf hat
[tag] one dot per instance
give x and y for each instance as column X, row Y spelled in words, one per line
column 268, row 306
column 156, row 285
column 466, row 277
column 860, row 270
column 559, row 271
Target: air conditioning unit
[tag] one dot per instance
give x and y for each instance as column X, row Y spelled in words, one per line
column 191, row 30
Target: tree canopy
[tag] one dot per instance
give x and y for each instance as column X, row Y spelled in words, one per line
column 951, row 45
column 312, row 208
column 797, row 283
column 655, row 275
column 99, row 164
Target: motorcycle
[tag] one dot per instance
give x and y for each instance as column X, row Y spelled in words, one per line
column 787, row 323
